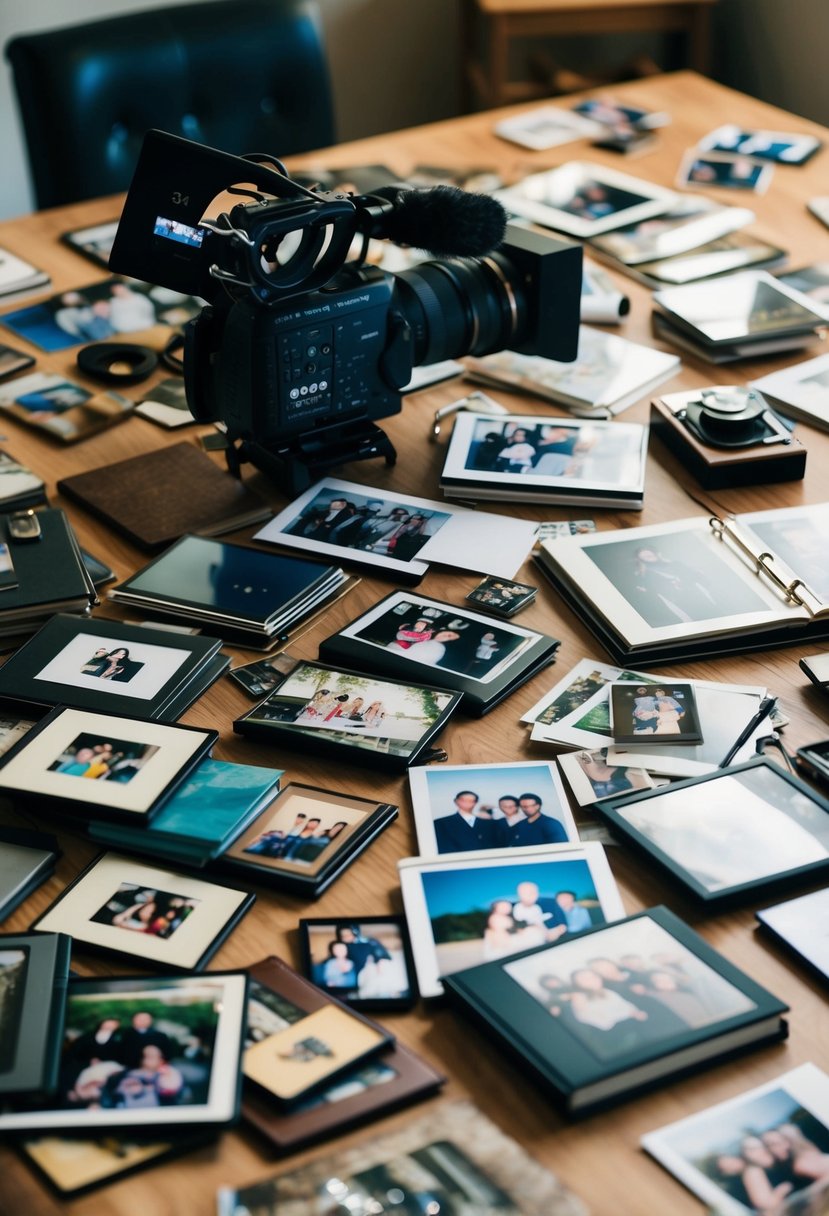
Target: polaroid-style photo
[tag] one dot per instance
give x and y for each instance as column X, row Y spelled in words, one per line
column 654, row 712
column 311, row 1052
column 468, row 807
column 703, row 170
column 100, row 311
column 736, row 830
column 502, row 597
column 800, row 924
column 329, row 709
column 470, row 908
column 305, row 833
column 168, row 920
column 525, row 453
column 777, row 146
column 546, row 127
column 591, row 778
column 378, row 528
column 626, row 987
column 262, row 677
column 101, row 765
column 585, row 199
column 60, row 407
column 765, row 1150
column 365, row 961
column 144, row 1052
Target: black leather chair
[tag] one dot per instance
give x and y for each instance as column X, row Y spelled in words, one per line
column 240, row 75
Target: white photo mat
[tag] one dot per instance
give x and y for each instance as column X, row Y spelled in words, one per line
column 160, row 663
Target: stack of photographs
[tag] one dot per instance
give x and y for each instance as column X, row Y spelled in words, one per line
column 34, row 970
column 248, row 597
column 618, row 1009
column 754, row 314
column 609, row 374
column 526, row 458
column 154, row 674
column 453, row 647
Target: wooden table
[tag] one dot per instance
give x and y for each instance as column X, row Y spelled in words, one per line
column 598, row 1158
column 492, row 28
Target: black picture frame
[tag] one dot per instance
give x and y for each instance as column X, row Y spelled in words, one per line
column 263, row 721
column 30, row 773
column 27, row 859
column 208, row 1094
column 534, row 651
column 34, row 971
column 194, row 663
column 626, row 712
column 394, row 944
column 307, row 875
column 85, row 910
column 751, row 775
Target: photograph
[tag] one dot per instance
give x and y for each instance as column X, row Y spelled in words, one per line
column 13, row 967
column 308, row 1053
column 765, row 1151
column 301, row 830
column 648, row 713
column 591, row 778
column 165, row 919
column 62, row 408
column 356, row 711
column 471, row 908
column 546, row 127
column 441, row 636
column 100, row 311
column 502, row 597
column 626, row 988
column 263, row 676
column 359, row 525
column 585, row 199
column 708, row 169
column 98, row 764
column 144, row 1052
column 525, row 451
column 737, row 829
column 72, row 1165
column 570, row 693
column 460, row 808
column 780, row 146
column 362, row 960
column 137, row 669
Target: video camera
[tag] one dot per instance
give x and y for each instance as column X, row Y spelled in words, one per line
column 299, row 349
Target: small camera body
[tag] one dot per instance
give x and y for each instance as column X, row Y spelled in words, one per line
column 728, row 435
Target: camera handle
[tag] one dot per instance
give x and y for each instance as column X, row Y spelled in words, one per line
column 296, row 466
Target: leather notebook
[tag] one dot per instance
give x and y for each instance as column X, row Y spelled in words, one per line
column 155, row 498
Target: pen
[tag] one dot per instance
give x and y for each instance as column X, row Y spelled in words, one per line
column 766, row 707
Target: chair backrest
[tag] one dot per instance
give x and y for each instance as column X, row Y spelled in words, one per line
column 239, row 75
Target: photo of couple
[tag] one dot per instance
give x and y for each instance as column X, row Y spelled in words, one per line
column 638, row 710
column 627, row 987
column 371, row 524
column 96, row 759
column 366, row 962
column 145, row 910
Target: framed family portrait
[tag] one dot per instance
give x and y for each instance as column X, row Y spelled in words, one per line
column 366, row 960
column 144, row 1053
column 33, row 973
column 102, row 766
column 651, row 713
column 306, row 837
column 126, row 907
column 469, row 908
column 455, row 647
column 464, row 807
column 335, row 711
column 93, row 664
column 732, row 833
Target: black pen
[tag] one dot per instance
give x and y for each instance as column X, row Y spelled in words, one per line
column 766, row 707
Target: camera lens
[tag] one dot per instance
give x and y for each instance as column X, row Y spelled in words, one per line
column 461, row 306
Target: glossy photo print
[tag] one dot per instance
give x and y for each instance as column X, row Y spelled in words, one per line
column 362, row 960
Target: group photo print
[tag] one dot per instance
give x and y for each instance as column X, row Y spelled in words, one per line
column 301, row 828
column 367, row 522
column 360, row 961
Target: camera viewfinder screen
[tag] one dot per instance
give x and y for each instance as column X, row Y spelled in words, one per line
column 174, row 230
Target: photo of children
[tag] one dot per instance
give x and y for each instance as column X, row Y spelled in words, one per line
column 96, row 759
column 145, row 910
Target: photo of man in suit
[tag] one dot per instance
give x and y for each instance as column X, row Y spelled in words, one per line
column 463, row 830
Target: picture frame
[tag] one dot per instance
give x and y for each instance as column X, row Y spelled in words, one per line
column 506, row 795
column 392, row 1078
column 453, row 647
column 365, row 961
column 27, row 859
column 34, row 971
column 272, row 852
column 160, row 675
column 72, row 1166
column 171, row 921
column 100, row 765
column 650, row 714
column 691, row 829
column 585, row 199
column 456, row 910
column 299, row 1042
column 501, row 597
column 418, row 712
column 142, row 1078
